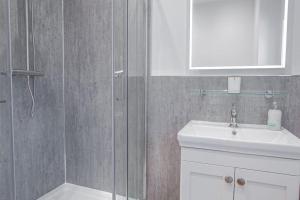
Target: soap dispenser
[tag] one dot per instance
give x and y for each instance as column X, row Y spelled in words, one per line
column 274, row 118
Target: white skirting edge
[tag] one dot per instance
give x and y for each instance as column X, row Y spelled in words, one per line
column 69, row 191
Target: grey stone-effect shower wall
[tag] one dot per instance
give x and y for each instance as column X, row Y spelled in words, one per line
column 38, row 140
column 88, row 86
column 6, row 160
column 292, row 119
column 172, row 103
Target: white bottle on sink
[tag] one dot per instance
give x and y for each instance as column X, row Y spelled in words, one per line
column 274, row 118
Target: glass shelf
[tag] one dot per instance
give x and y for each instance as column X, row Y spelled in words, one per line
column 268, row 94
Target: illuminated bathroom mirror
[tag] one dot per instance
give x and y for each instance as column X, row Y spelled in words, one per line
column 237, row 34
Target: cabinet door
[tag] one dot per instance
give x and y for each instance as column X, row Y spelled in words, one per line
column 206, row 182
column 255, row 185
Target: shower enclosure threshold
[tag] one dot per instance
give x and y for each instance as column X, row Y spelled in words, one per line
column 69, row 191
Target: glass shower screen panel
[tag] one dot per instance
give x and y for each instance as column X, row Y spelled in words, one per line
column 137, row 40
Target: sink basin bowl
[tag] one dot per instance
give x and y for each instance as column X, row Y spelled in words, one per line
column 250, row 139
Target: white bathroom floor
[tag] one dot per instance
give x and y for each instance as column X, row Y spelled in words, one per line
column 73, row 192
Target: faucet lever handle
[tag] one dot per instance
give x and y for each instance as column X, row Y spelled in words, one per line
column 233, row 111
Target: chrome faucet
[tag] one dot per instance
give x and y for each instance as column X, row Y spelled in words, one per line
column 233, row 117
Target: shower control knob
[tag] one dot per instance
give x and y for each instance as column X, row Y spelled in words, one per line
column 241, row 181
column 228, row 179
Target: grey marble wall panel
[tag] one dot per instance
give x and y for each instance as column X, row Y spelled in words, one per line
column 136, row 136
column 291, row 122
column 39, row 140
column 171, row 104
column 18, row 34
column 6, row 160
column 88, row 86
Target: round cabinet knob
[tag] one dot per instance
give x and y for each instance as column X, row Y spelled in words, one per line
column 241, row 181
column 228, row 179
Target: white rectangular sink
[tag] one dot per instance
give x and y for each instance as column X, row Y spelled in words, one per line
column 250, row 139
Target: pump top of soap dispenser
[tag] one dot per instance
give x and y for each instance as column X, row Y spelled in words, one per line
column 275, row 105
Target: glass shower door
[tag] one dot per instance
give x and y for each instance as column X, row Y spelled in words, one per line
column 129, row 75
column 120, row 98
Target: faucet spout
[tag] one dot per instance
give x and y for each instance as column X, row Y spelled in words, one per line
column 233, row 117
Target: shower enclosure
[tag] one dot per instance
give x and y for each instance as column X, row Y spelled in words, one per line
column 72, row 99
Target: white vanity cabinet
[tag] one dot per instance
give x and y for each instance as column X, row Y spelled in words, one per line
column 213, row 181
column 252, row 164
